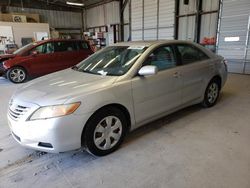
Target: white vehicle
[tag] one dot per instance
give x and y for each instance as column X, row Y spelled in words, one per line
column 114, row 91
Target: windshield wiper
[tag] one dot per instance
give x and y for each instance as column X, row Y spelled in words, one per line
column 74, row 67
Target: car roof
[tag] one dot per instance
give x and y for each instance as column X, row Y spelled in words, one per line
column 57, row 40
column 148, row 43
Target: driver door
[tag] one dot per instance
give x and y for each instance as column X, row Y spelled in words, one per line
column 42, row 59
column 155, row 95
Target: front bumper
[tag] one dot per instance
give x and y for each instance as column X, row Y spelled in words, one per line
column 2, row 70
column 50, row 135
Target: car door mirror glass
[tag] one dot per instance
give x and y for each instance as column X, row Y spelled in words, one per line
column 148, row 70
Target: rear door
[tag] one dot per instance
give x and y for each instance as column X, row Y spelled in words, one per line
column 84, row 50
column 66, row 54
column 195, row 69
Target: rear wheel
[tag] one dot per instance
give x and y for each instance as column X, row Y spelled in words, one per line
column 17, row 74
column 105, row 131
column 212, row 93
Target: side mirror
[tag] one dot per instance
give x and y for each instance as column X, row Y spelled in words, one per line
column 148, row 70
column 34, row 53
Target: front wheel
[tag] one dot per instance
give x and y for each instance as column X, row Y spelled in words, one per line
column 17, row 75
column 212, row 94
column 105, row 131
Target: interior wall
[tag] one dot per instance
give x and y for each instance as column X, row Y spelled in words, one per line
column 25, row 30
column 56, row 19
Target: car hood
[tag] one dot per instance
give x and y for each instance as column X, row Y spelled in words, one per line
column 62, row 86
column 7, row 56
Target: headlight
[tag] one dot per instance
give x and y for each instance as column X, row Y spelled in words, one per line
column 54, row 111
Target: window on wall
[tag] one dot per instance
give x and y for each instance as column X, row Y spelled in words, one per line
column 197, row 21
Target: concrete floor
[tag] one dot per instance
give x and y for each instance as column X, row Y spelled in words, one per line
column 193, row 148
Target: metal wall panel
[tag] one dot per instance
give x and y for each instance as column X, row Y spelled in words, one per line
column 56, row 19
column 210, row 5
column 166, row 33
column 166, row 19
column 136, row 19
column 208, row 25
column 187, row 9
column 150, row 14
column 150, row 19
column 112, row 13
column 186, row 29
column 101, row 15
column 153, row 19
column 126, row 14
column 235, row 23
column 150, row 34
column 95, row 17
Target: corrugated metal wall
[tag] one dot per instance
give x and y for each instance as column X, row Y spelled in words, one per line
column 197, row 21
column 166, row 19
column 101, row 15
column 209, row 22
column 186, row 29
column 136, row 19
column 234, row 22
column 56, row 19
column 152, row 19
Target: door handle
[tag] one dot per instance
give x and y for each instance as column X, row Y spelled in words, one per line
column 176, row 75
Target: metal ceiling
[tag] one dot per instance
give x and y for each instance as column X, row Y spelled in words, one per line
column 50, row 4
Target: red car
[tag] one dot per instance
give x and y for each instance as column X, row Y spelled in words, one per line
column 43, row 57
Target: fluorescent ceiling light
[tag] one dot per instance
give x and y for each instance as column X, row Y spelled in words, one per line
column 74, row 4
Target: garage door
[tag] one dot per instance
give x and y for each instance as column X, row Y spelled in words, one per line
column 233, row 41
column 152, row 19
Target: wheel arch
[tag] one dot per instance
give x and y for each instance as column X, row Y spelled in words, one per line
column 14, row 66
column 218, row 79
column 114, row 105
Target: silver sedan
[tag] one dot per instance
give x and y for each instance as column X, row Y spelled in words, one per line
column 114, row 91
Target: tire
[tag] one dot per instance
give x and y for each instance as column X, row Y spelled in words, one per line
column 211, row 94
column 17, row 75
column 105, row 131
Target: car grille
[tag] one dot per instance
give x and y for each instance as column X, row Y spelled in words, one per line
column 17, row 111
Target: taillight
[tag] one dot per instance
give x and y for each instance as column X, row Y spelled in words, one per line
column 225, row 62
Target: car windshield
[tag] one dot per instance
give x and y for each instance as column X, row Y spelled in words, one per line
column 113, row 61
column 20, row 51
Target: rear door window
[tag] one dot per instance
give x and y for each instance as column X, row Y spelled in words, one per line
column 65, row 46
column 83, row 45
column 190, row 54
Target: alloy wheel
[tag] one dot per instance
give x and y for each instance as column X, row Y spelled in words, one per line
column 212, row 94
column 17, row 75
